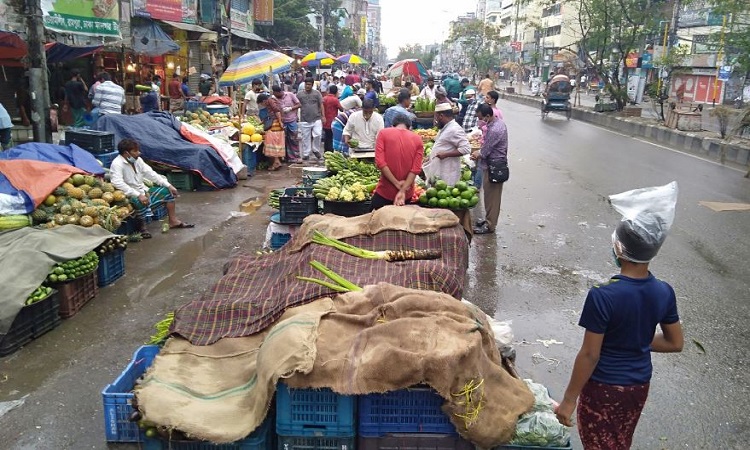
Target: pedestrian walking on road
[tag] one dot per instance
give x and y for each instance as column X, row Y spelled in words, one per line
column 494, row 150
column 331, row 108
column 289, row 105
column 612, row 371
column 311, row 120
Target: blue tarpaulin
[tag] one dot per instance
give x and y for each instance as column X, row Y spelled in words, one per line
column 158, row 134
column 57, row 52
column 71, row 155
column 149, row 39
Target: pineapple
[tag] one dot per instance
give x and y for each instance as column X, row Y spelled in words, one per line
column 77, row 204
column 39, row 216
column 85, row 188
column 108, row 197
column 92, row 211
column 123, row 212
column 108, row 187
column 95, row 193
column 86, row 221
column 60, row 191
column 66, row 209
column 76, row 193
column 73, row 220
column 119, row 196
column 99, row 202
column 77, row 179
column 89, row 180
column 60, row 219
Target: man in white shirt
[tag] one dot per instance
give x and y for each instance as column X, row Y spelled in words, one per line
column 353, row 101
column 108, row 96
column 451, row 143
column 363, row 126
column 127, row 173
column 250, row 105
column 428, row 91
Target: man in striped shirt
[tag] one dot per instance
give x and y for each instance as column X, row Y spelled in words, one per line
column 108, row 96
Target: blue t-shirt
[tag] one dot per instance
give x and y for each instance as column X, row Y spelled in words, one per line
column 627, row 310
column 372, row 95
column 149, row 102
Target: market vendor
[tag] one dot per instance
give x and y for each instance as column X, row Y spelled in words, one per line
column 398, row 156
column 450, row 145
column 128, row 172
column 401, row 108
column 363, row 126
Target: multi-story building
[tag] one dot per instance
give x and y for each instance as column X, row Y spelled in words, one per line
column 375, row 52
column 452, row 56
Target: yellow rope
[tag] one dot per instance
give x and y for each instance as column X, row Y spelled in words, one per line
column 471, row 402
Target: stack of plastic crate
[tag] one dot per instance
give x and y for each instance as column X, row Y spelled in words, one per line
column 406, row 419
column 314, row 419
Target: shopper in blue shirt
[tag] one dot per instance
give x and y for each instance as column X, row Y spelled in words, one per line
column 371, row 93
column 5, row 126
column 611, row 375
column 401, row 108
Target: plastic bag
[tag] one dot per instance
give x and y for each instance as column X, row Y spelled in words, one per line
column 542, row 400
column 541, row 429
column 647, row 215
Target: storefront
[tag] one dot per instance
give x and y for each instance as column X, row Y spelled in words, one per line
column 699, row 86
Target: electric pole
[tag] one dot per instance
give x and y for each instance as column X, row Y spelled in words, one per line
column 38, row 83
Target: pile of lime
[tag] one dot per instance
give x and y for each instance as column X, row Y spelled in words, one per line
column 459, row 196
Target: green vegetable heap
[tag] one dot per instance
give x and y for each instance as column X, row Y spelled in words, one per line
column 460, row 196
column 39, row 294
column 70, row 270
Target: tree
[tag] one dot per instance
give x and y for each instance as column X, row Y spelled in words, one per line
column 736, row 36
column 291, row 25
column 416, row 51
column 610, row 30
column 480, row 42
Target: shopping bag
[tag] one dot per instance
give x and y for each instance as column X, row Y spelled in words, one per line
column 274, row 145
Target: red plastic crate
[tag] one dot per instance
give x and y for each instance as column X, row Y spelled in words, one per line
column 76, row 293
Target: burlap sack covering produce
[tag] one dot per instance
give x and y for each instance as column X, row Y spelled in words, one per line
column 388, row 337
column 411, row 219
column 382, row 338
column 222, row 392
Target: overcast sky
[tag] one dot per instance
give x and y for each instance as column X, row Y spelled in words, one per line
column 418, row 21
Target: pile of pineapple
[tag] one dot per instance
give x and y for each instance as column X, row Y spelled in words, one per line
column 86, row 201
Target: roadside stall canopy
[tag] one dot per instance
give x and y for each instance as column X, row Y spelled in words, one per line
column 149, row 39
column 12, row 49
column 165, row 140
column 57, row 52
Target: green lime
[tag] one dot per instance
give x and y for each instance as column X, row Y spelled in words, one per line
column 454, row 203
column 473, row 190
column 53, row 278
column 151, row 433
column 455, row 192
column 473, row 202
column 466, row 176
column 433, row 201
column 443, row 203
column 423, row 199
column 466, row 195
column 464, row 203
column 461, row 186
column 62, row 277
column 441, row 185
column 431, row 192
column 442, row 194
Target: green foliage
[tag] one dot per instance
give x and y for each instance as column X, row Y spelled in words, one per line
column 480, row 42
column 410, row 51
column 736, row 33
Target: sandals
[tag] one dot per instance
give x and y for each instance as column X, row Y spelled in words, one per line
column 145, row 234
column 184, row 225
column 274, row 168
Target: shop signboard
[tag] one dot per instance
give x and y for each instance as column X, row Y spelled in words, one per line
column 647, row 61
column 725, row 72
column 631, row 61
column 185, row 11
column 240, row 15
column 698, row 13
column 263, row 12
column 362, row 30
column 90, row 18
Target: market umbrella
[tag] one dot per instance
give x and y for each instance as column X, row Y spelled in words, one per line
column 317, row 59
column 254, row 65
column 351, row 59
column 411, row 67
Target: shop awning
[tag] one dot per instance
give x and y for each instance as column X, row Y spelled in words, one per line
column 12, row 49
column 208, row 34
column 149, row 39
column 248, row 35
column 57, row 52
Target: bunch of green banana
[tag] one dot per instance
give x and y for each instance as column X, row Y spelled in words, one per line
column 273, row 198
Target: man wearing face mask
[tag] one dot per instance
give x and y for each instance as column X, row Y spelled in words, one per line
column 128, row 171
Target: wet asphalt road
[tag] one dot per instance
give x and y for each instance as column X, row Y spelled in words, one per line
column 553, row 244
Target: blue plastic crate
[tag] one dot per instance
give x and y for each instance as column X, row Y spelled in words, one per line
column 314, row 412
column 159, row 212
column 249, row 158
column 260, row 439
column 107, row 158
column 217, row 109
column 193, row 105
column 111, row 267
column 415, row 410
column 118, row 398
column 316, row 443
column 279, row 239
column 127, row 227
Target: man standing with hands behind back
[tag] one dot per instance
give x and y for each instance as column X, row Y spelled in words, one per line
column 398, row 155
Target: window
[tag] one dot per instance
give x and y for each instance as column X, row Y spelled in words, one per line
column 553, row 10
column 552, row 31
column 702, row 44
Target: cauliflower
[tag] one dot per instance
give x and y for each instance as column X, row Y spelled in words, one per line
column 346, row 196
column 360, row 196
column 333, row 194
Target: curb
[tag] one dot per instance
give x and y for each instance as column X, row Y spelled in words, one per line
column 707, row 147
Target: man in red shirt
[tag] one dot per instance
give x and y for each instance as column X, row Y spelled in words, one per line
column 176, row 96
column 398, row 155
column 331, row 107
